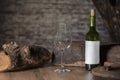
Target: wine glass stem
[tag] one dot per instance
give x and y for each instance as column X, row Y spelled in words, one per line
column 62, row 52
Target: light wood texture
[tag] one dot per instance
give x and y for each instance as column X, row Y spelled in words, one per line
column 47, row 73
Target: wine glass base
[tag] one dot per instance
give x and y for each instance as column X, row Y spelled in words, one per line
column 62, row 70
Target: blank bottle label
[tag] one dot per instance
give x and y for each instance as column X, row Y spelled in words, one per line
column 92, row 52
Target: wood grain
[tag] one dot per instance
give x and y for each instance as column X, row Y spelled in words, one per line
column 47, row 73
column 100, row 72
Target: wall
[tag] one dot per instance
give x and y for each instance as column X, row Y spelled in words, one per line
column 35, row 21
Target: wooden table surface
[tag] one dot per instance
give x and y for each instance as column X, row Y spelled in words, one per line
column 47, row 73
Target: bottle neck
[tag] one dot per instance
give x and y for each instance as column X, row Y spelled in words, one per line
column 92, row 23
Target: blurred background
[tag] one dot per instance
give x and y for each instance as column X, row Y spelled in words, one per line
column 35, row 21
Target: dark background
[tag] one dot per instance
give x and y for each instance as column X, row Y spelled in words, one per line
column 35, row 21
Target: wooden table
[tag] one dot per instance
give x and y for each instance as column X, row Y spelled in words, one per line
column 47, row 73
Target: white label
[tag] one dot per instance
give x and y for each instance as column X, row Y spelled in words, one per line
column 92, row 52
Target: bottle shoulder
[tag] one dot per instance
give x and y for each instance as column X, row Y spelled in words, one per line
column 92, row 36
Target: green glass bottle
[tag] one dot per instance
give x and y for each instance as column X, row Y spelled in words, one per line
column 92, row 45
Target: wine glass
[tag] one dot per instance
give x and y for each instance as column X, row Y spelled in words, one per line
column 63, row 40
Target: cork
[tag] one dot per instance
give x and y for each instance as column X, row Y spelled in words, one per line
column 92, row 12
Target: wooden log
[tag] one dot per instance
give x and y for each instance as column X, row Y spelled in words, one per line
column 14, row 57
column 100, row 73
column 111, row 65
column 114, row 54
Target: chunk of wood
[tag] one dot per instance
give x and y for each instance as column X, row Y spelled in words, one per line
column 5, row 61
column 14, row 57
column 111, row 65
column 99, row 73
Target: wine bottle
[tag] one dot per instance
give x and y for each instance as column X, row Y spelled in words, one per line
column 92, row 45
